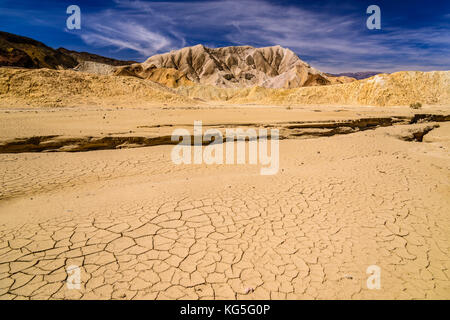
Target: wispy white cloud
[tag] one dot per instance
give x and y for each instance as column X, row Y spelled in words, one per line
column 126, row 36
column 128, row 29
column 328, row 41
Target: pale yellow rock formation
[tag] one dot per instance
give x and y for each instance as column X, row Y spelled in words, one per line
column 50, row 88
column 400, row 88
column 43, row 87
column 95, row 67
column 169, row 77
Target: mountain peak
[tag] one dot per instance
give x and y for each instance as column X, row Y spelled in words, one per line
column 234, row 66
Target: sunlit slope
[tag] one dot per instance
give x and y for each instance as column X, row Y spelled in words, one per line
column 56, row 88
column 400, row 88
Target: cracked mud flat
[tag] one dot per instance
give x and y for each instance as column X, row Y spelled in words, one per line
column 141, row 227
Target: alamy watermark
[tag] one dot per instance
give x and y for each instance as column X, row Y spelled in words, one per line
column 374, row 21
column 374, row 280
column 73, row 277
column 209, row 147
column 73, row 22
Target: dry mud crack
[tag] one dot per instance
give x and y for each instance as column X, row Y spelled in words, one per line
column 139, row 226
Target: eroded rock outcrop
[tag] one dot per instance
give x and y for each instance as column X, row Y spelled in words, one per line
column 231, row 67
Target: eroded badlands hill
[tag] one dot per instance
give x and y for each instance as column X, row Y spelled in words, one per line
column 397, row 89
column 43, row 87
column 231, row 67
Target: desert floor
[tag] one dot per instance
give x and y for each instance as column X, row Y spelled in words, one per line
column 140, row 226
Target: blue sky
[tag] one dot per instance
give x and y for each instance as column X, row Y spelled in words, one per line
column 330, row 35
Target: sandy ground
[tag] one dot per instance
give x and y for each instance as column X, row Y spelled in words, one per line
column 160, row 120
column 140, row 226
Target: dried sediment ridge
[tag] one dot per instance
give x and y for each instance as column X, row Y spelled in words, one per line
column 52, row 88
column 400, row 88
column 21, row 88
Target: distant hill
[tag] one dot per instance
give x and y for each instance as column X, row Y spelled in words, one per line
column 23, row 52
column 18, row 51
column 359, row 75
column 86, row 56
